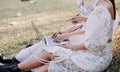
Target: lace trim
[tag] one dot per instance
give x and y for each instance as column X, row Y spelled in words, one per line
column 40, row 59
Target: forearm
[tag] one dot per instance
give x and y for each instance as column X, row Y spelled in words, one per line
column 76, row 34
column 78, row 47
column 71, row 29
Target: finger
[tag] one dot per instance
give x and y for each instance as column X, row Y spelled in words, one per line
column 75, row 21
column 56, row 41
column 56, row 38
column 54, row 35
column 64, row 45
column 57, row 33
column 73, row 18
column 78, row 15
column 66, row 40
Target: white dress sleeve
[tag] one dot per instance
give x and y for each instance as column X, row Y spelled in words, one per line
column 79, row 2
column 97, row 29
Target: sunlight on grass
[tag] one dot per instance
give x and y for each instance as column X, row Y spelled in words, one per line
column 48, row 16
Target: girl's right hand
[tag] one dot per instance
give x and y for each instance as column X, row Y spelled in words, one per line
column 55, row 34
column 62, row 37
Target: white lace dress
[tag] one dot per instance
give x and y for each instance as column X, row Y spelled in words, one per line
column 98, row 29
column 85, row 12
column 98, row 32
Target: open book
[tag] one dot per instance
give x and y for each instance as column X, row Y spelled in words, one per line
column 51, row 42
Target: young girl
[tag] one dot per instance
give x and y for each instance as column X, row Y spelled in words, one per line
column 94, row 54
column 72, row 31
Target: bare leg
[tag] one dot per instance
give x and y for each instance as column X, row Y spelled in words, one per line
column 43, row 68
column 30, row 62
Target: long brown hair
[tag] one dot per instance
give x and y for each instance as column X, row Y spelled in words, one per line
column 113, row 3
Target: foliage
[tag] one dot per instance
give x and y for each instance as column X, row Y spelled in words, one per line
column 115, row 64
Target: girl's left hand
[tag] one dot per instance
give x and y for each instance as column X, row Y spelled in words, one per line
column 68, row 46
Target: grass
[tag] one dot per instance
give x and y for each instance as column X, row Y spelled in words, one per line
column 48, row 16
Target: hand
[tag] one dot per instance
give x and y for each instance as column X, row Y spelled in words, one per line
column 55, row 34
column 77, row 19
column 69, row 45
column 62, row 37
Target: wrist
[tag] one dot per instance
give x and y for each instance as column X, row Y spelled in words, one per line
column 84, row 19
column 68, row 35
column 62, row 32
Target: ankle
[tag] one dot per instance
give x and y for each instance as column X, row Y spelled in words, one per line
column 14, row 60
column 20, row 67
column 16, row 68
